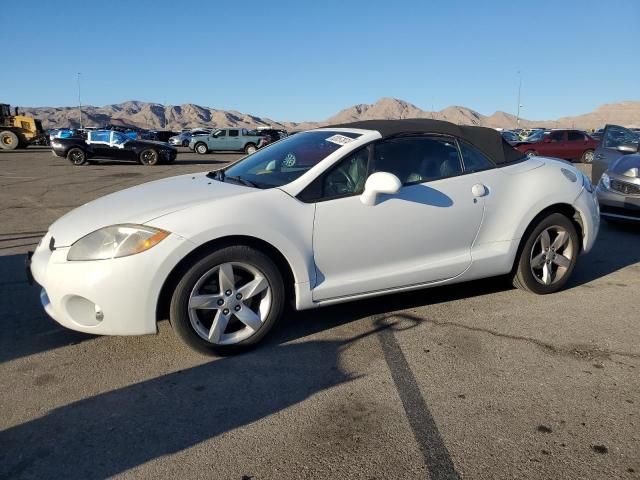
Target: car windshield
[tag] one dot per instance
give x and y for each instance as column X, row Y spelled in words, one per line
column 535, row 136
column 283, row 162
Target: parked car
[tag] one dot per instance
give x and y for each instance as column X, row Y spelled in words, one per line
column 573, row 145
column 597, row 134
column 268, row 135
column 511, row 137
column 616, row 142
column 160, row 135
column 183, row 138
column 323, row 217
column 619, row 189
column 112, row 145
column 227, row 139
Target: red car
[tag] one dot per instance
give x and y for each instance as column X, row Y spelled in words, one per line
column 571, row 145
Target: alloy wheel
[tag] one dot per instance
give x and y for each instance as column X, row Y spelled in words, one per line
column 149, row 157
column 588, row 157
column 551, row 255
column 77, row 158
column 229, row 303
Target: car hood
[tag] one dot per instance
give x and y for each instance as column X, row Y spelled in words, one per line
column 142, row 204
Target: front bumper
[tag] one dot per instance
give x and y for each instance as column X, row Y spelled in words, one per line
column 618, row 205
column 106, row 297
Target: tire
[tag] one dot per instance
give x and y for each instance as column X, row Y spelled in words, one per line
column 531, row 153
column 77, row 157
column 9, row 140
column 587, row 156
column 532, row 260
column 149, row 157
column 250, row 148
column 245, row 265
column 201, row 148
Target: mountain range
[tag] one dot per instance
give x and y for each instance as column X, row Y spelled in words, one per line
column 177, row 117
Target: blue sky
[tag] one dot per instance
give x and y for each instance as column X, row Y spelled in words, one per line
column 307, row 60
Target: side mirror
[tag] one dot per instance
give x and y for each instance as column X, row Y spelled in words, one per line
column 377, row 183
column 628, row 148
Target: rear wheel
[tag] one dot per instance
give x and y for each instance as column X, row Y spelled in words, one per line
column 548, row 255
column 587, row 156
column 201, row 148
column 149, row 157
column 250, row 148
column 531, row 153
column 77, row 156
column 227, row 301
column 9, row 140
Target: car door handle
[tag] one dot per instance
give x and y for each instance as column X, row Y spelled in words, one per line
column 479, row 190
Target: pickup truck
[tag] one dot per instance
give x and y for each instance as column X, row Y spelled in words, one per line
column 112, row 145
column 227, row 139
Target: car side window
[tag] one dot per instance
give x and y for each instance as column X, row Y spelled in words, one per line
column 575, row 137
column 119, row 138
column 101, row 136
column 556, row 137
column 418, row 159
column 220, row 133
column 473, row 159
column 616, row 136
column 347, row 177
column 233, row 133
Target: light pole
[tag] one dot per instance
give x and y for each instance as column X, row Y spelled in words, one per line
column 519, row 90
column 79, row 101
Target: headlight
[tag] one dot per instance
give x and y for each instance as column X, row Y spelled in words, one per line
column 586, row 183
column 605, row 181
column 116, row 241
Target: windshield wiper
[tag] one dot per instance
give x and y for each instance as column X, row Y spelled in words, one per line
column 241, row 180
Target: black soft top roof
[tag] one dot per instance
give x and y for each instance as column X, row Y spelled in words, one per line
column 488, row 140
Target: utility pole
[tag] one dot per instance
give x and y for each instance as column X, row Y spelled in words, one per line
column 519, row 91
column 79, row 101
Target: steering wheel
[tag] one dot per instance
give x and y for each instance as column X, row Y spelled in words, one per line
column 340, row 187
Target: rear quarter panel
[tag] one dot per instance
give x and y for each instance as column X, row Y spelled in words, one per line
column 520, row 192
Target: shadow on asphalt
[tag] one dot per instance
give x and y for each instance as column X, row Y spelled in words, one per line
column 616, row 247
column 115, row 431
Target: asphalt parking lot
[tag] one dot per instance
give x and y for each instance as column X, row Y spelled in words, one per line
column 476, row 380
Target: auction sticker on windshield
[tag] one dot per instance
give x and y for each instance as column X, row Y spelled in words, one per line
column 339, row 139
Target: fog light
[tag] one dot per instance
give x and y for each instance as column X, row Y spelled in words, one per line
column 99, row 314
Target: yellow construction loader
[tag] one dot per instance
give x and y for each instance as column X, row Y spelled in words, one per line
column 18, row 131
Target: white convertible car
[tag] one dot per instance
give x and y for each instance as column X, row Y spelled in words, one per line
column 318, row 218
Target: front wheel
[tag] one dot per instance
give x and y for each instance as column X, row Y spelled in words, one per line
column 149, row 157
column 77, row 156
column 9, row 140
column 531, row 153
column 587, row 157
column 201, row 148
column 227, row 301
column 548, row 256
